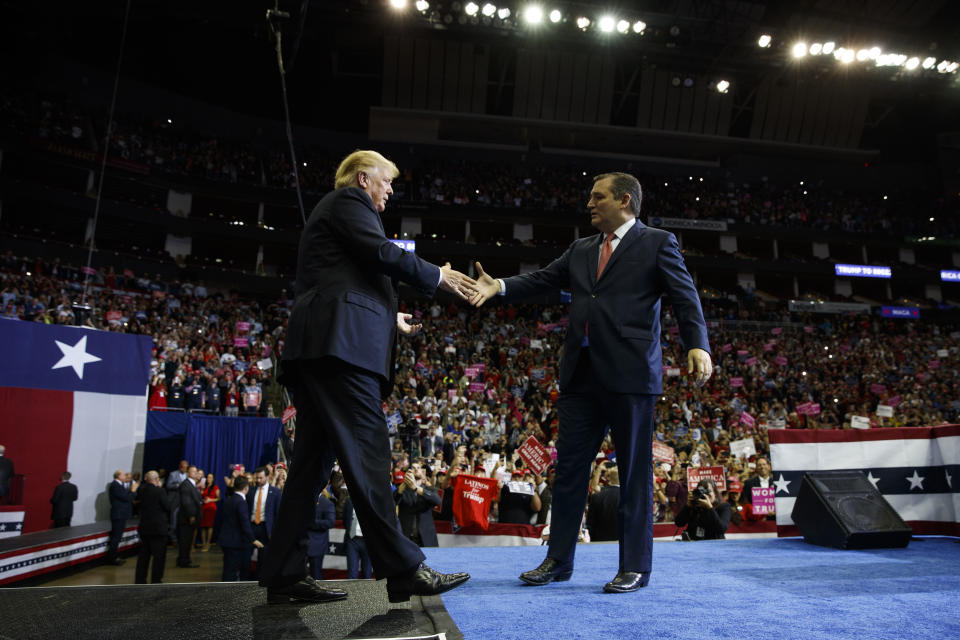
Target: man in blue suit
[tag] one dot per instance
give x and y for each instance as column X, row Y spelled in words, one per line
column 263, row 506
column 318, row 533
column 121, row 509
column 236, row 535
column 338, row 359
column 611, row 370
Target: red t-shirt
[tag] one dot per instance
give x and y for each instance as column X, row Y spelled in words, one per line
column 472, row 498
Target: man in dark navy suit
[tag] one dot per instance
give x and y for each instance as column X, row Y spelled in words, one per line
column 121, row 509
column 263, row 506
column 611, row 370
column 318, row 532
column 153, row 528
column 64, row 495
column 236, row 535
column 339, row 361
column 188, row 516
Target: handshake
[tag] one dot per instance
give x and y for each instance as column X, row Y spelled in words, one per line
column 476, row 292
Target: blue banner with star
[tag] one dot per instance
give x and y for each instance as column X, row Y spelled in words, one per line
column 68, row 358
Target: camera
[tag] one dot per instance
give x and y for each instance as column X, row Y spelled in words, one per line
column 699, row 493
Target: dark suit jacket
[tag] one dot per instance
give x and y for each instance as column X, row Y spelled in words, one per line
column 746, row 496
column 154, row 510
column 64, row 495
column 416, row 514
column 191, row 502
column 6, row 472
column 622, row 307
column 345, row 305
column 318, row 531
column 121, row 501
column 271, row 507
column 602, row 517
column 235, row 530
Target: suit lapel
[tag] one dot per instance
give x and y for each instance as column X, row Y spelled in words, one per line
column 633, row 233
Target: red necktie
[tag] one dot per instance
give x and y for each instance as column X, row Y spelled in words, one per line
column 605, row 252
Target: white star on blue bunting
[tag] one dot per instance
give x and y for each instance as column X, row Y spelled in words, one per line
column 75, row 356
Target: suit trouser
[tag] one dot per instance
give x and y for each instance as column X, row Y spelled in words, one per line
column 356, row 555
column 586, row 412
column 152, row 546
column 260, row 533
column 184, row 542
column 61, row 522
column 113, row 543
column 339, row 416
column 236, row 563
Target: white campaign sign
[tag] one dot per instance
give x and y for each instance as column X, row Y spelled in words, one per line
column 859, row 422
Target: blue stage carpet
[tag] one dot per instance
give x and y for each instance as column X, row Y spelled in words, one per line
column 757, row 589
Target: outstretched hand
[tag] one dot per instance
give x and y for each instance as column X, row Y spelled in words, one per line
column 457, row 283
column 700, row 365
column 405, row 327
column 487, row 287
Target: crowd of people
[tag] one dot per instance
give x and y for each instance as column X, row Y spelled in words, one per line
column 522, row 182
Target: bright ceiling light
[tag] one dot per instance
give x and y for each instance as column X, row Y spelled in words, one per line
column 489, row 9
column 556, row 16
column 723, row 86
column 583, row 22
column 764, row 41
column 913, row 63
column 503, row 13
column 816, row 48
column 471, row 9
column 847, row 56
column 533, row 14
column 398, row 4
column 928, row 63
column 828, row 47
column 863, row 54
column 607, row 24
column 639, row 26
column 874, row 53
column 623, row 26
column 799, row 49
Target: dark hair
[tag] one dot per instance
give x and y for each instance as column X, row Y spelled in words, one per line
column 65, row 475
column 262, row 470
column 239, row 483
column 622, row 184
column 708, row 482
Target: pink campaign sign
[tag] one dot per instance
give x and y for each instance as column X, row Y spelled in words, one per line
column 781, row 360
column 776, row 331
column 736, row 382
column 763, row 500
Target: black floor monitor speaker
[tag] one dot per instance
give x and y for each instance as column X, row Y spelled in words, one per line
column 843, row 509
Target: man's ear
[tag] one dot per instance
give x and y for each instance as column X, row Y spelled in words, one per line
column 625, row 201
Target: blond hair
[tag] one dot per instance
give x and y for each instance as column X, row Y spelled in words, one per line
column 362, row 160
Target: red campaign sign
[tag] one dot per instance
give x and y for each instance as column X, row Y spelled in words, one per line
column 662, row 452
column 288, row 414
column 113, row 316
column 763, row 500
column 695, row 475
column 534, row 454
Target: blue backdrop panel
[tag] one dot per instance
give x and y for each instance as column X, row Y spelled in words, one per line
column 164, row 439
column 213, row 443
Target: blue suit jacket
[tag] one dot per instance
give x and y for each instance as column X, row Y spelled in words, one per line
column 318, row 531
column 622, row 307
column 121, row 501
column 271, row 507
column 345, row 305
column 235, row 529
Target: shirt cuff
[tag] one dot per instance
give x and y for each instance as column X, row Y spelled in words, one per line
column 503, row 287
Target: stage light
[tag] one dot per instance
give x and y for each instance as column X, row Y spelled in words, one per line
column 488, row 9
column 816, row 48
column 533, row 14
column 398, row 4
column 928, row 63
column 688, row 82
column 942, row 67
column 874, row 53
column 828, row 48
column 764, row 41
column 471, row 9
column 623, row 26
column 503, row 13
column 863, row 54
column 723, row 86
column 912, row 63
column 799, row 49
column 556, row 16
column 583, row 23
column 607, row 24
column 639, row 26
column 847, row 56
column 675, row 81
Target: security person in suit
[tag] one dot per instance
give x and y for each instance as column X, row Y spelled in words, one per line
column 188, row 517
column 318, row 533
column 153, row 528
column 64, row 495
column 236, row 535
column 611, row 370
column 339, row 361
column 263, row 503
column 121, row 510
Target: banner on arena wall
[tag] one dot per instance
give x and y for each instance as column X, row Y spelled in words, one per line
column 663, row 452
column 912, row 467
column 743, row 448
column 687, row 223
column 717, row 474
column 764, row 500
column 534, row 454
column 827, row 307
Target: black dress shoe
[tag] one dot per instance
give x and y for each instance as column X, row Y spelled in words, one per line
column 116, row 561
column 422, row 581
column 189, row 565
column 307, row 590
column 550, row 570
column 627, row 581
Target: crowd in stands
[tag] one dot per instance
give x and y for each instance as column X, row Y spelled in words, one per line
column 523, row 182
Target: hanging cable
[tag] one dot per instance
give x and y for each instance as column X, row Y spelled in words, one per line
column 103, row 162
column 273, row 17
